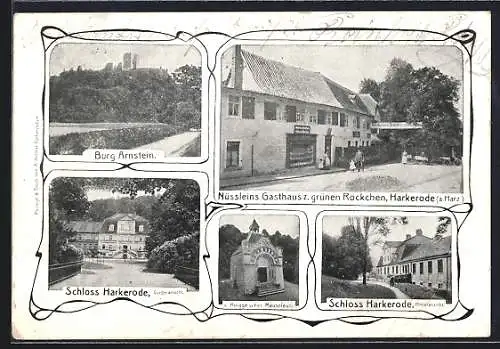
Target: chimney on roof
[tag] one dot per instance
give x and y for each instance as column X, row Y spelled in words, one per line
column 419, row 232
column 408, row 236
column 237, row 67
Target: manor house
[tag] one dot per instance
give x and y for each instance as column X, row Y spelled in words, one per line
column 418, row 259
column 122, row 235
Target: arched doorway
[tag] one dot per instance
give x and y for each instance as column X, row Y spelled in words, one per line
column 264, row 269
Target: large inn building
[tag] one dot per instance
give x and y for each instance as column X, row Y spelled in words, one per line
column 425, row 261
column 276, row 116
column 122, row 235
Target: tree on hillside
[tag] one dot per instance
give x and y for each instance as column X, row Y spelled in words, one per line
column 372, row 229
column 370, row 87
column 116, row 95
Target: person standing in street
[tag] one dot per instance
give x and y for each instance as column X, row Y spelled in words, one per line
column 358, row 159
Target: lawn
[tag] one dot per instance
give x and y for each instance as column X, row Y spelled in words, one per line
column 374, row 183
column 420, row 292
column 228, row 293
column 336, row 288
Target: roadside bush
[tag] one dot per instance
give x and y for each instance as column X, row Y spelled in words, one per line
column 182, row 251
column 124, row 138
column 68, row 253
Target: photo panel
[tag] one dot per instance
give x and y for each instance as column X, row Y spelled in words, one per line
column 114, row 101
column 124, row 236
column 302, row 122
column 262, row 261
column 376, row 261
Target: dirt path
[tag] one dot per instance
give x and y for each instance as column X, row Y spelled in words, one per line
column 172, row 145
column 397, row 292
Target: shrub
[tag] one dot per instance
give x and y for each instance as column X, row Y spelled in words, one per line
column 182, row 251
column 123, row 138
column 68, row 253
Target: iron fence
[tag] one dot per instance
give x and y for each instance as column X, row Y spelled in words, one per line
column 62, row 271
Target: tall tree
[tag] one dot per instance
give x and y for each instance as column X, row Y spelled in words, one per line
column 443, row 227
column 344, row 257
column 373, row 230
column 67, row 201
column 423, row 95
column 370, row 87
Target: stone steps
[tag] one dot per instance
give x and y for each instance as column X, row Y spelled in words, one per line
column 266, row 290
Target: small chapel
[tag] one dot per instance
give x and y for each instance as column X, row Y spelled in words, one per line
column 257, row 265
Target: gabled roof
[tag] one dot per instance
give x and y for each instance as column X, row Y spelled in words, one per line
column 392, row 244
column 282, row 80
column 84, row 226
column 430, row 249
column 370, row 103
column 125, row 216
column 348, row 99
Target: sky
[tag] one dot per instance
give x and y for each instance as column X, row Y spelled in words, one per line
column 95, row 56
column 332, row 226
column 286, row 224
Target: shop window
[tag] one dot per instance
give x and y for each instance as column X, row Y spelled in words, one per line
column 248, row 107
column 270, row 110
column 233, row 154
column 233, row 106
column 440, row 265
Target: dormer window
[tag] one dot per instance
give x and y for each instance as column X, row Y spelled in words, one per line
column 141, row 228
column 111, row 227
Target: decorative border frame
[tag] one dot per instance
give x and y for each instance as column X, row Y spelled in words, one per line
column 466, row 38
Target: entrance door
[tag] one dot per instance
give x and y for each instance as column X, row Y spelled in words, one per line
column 338, row 154
column 262, row 274
column 328, row 148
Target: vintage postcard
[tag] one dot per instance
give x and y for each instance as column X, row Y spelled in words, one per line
column 251, row 175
